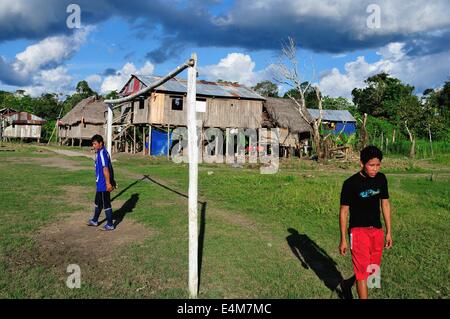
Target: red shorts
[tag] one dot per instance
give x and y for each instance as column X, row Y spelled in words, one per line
column 366, row 244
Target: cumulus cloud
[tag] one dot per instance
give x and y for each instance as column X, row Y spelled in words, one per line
column 411, row 35
column 326, row 26
column 420, row 71
column 117, row 81
column 94, row 81
column 236, row 67
column 53, row 80
column 39, row 66
column 50, row 51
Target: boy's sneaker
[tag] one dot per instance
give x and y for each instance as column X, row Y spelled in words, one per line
column 92, row 223
column 107, row 227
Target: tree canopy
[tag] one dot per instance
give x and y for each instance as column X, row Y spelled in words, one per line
column 266, row 89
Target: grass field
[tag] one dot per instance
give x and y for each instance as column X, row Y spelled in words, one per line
column 261, row 236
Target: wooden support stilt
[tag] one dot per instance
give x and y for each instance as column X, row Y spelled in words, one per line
column 143, row 140
column 168, row 141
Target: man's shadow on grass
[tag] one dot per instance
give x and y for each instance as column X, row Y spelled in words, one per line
column 313, row 257
column 127, row 207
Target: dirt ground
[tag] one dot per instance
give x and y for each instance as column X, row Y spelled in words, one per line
column 70, row 241
column 57, row 162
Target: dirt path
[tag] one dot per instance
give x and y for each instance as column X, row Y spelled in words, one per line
column 71, row 153
column 57, row 162
column 70, row 241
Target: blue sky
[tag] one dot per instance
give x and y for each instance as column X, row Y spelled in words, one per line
column 236, row 40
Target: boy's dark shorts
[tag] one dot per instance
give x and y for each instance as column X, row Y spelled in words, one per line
column 103, row 200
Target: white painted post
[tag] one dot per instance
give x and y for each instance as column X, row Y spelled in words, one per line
column 193, row 178
column 109, row 129
column 134, row 139
column 143, row 140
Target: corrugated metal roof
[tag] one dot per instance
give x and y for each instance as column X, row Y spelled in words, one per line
column 333, row 115
column 24, row 117
column 7, row 110
column 203, row 88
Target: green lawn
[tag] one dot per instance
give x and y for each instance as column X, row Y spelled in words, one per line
column 243, row 229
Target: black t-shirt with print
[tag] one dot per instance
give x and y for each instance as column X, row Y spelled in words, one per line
column 363, row 193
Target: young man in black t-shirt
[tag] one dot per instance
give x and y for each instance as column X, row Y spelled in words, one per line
column 361, row 196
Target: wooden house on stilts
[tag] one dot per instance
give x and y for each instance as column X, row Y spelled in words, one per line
column 219, row 105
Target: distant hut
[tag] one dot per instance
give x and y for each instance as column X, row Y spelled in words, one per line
column 6, row 111
column 336, row 121
column 21, row 125
column 85, row 120
column 294, row 130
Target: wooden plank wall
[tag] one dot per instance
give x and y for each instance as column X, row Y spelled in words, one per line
column 23, row 131
column 220, row 112
column 79, row 131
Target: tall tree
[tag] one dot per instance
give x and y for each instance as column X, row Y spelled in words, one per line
column 112, row 95
column 47, row 106
column 436, row 121
column 443, row 101
column 84, row 89
column 339, row 103
column 381, row 96
column 410, row 115
column 309, row 93
column 266, row 89
column 290, row 74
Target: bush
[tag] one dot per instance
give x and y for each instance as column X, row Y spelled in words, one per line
column 423, row 148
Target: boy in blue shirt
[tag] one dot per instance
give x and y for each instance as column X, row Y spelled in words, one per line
column 105, row 183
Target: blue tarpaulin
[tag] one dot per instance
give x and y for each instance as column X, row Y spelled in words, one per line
column 159, row 142
column 349, row 128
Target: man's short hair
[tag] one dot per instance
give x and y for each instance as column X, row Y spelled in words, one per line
column 369, row 153
column 97, row 138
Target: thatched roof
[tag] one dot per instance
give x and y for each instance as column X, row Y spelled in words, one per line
column 284, row 113
column 89, row 110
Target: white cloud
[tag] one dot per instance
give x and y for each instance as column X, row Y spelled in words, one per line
column 147, row 69
column 51, row 81
column 52, row 50
column 93, row 79
column 351, row 15
column 39, row 69
column 325, row 26
column 117, row 81
column 422, row 72
column 236, row 67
